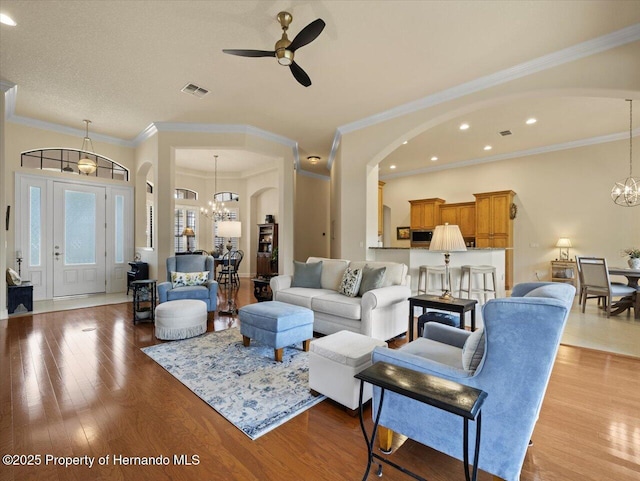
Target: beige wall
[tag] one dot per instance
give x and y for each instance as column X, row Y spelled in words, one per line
column 311, row 217
column 558, row 194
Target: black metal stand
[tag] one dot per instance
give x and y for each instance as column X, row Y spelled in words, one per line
column 447, row 395
column 144, row 291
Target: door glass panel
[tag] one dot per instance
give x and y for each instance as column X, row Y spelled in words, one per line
column 35, row 235
column 119, row 229
column 80, row 228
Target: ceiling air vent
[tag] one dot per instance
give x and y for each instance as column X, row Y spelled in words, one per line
column 504, row 133
column 193, row 89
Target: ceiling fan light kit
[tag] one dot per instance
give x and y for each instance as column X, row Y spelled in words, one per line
column 284, row 49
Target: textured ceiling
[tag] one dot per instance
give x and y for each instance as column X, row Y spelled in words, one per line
column 122, row 65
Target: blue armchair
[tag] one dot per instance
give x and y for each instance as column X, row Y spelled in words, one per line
column 516, row 351
column 208, row 292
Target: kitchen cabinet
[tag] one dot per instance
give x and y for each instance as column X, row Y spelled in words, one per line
column 425, row 213
column 380, row 207
column 494, row 225
column 462, row 214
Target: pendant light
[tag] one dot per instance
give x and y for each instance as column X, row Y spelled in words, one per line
column 627, row 192
column 85, row 164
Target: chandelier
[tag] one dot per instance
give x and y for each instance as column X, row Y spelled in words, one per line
column 85, row 164
column 627, row 192
column 216, row 210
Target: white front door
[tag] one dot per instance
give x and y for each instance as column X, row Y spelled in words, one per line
column 78, row 239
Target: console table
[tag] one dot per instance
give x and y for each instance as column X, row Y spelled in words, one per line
column 441, row 393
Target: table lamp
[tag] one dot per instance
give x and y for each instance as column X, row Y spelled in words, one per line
column 563, row 244
column 447, row 238
column 188, row 232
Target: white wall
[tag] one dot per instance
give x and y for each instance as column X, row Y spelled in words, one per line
column 558, row 194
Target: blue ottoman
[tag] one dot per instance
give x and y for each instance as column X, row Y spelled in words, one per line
column 441, row 317
column 276, row 324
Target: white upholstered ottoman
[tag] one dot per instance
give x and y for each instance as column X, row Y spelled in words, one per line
column 180, row 319
column 335, row 359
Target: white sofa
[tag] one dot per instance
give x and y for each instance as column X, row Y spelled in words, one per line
column 381, row 313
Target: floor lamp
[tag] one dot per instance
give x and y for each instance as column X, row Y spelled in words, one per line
column 230, row 229
column 447, row 238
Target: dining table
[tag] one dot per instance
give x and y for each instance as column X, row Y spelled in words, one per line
column 627, row 302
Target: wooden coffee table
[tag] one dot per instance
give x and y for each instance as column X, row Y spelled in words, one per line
column 459, row 306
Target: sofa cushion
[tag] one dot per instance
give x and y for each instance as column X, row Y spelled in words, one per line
column 473, row 350
column 350, row 282
column 371, row 279
column 307, row 274
column 338, row 305
column 394, row 275
column 300, row 296
column 332, row 272
column 435, row 351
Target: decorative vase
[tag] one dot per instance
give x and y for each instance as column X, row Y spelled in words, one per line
column 634, row 262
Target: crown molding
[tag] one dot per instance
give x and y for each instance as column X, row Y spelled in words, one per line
column 513, row 155
column 313, row 175
column 590, row 47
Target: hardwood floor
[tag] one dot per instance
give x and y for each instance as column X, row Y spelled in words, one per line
column 75, row 383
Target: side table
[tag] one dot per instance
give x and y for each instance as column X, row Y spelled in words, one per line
column 20, row 298
column 450, row 396
column 144, row 300
column 262, row 290
column 459, row 306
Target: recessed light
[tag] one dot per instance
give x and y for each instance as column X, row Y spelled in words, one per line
column 434, row 158
column 392, row 166
column 487, row 147
column 464, row 126
column 405, row 142
column 7, row 20
column 531, row 121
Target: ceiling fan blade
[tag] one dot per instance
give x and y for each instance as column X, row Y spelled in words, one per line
column 307, row 35
column 300, row 75
column 251, row 53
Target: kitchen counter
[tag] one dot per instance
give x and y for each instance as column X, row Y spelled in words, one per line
column 414, row 257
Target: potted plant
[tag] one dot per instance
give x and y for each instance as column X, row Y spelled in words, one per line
column 634, row 257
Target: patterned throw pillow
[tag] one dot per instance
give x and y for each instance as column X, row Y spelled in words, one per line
column 183, row 279
column 350, row 282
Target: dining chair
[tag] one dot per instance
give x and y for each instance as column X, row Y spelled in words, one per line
column 595, row 283
column 229, row 267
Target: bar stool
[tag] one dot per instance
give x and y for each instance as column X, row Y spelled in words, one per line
column 424, row 277
column 470, row 288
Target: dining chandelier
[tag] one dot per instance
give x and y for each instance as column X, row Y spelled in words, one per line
column 216, row 210
column 626, row 192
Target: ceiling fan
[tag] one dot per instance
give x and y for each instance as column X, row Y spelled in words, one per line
column 285, row 48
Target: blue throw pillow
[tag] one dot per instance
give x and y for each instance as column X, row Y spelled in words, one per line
column 371, row 279
column 307, row 274
column 548, row 290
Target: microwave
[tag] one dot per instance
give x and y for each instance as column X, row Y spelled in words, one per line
column 421, row 237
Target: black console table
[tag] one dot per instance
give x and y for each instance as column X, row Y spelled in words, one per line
column 138, row 271
column 441, row 393
column 144, row 300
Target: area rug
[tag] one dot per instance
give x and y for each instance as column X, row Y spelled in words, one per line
column 243, row 384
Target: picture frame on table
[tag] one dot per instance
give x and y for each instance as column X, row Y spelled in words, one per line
column 403, row 233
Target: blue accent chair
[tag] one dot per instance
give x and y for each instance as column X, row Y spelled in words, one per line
column 207, row 292
column 521, row 338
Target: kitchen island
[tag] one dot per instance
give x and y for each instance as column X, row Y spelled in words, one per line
column 414, row 257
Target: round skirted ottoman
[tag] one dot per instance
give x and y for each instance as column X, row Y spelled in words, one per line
column 181, row 319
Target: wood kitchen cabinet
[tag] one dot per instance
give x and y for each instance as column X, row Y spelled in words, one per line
column 380, row 207
column 494, row 225
column 462, row 214
column 425, row 213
